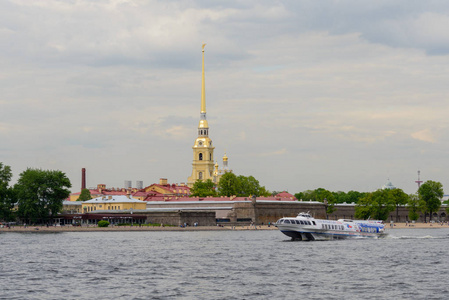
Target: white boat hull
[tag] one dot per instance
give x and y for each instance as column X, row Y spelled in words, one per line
column 304, row 227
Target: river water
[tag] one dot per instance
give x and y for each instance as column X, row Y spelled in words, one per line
column 408, row 264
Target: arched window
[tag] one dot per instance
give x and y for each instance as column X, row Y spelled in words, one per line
column 200, row 157
column 210, row 156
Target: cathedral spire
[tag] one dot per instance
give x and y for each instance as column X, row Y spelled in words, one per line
column 203, row 127
column 203, row 89
column 203, row 151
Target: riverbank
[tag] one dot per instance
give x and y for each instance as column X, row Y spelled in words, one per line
column 416, row 225
column 189, row 228
column 129, row 228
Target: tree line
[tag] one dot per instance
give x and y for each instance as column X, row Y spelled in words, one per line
column 380, row 203
column 37, row 196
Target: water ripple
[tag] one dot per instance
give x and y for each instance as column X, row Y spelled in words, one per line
column 220, row 265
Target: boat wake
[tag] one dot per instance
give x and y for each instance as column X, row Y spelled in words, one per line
column 406, row 237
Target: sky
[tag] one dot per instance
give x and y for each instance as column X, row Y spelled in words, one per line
column 341, row 95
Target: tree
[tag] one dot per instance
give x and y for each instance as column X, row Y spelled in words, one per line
column 308, row 195
column 354, row 196
column 203, row 189
column 325, row 196
column 431, row 193
column 85, row 195
column 40, row 194
column 248, row 186
column 376, row 205
column 240, row 186
column 7, row 196
column 264, row 192
column 319, row 195
column 415, row 205
column 399, row 198
column 228, row 184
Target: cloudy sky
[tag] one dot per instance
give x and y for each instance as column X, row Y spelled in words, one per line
column 300, row 94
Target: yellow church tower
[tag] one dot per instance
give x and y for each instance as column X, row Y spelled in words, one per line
column 203, row 152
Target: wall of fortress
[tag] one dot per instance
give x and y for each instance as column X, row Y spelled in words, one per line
column 265, row 212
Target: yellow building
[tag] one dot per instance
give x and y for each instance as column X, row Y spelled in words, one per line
column 113, row 203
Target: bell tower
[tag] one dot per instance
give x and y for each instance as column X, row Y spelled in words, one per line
column 203, row 151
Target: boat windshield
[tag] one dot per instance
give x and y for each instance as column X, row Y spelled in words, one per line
column 305, row 215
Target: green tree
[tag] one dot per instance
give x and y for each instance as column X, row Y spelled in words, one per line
column 203, row 189
column 40, row 194
column 415, row 205
column 307, row 195
column 264, row 192
column 248, row 186
column 431, row 193
column 7, row 196
column 376, row 205
column 85, row 195
column 228, row 185
column 399, row 198
column 325, row 196
column 340, row 196
column 319, row 195
column 354, row 196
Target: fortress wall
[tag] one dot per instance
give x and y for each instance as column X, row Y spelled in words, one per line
column 178, row 218
column 348, row 212
column 265, row 212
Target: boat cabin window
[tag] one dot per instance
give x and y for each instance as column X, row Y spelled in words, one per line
column 286, row 221
column 313, row 222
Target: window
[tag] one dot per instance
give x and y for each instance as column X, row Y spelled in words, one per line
column 200, row 156
column 286, row 221
column 200, row 174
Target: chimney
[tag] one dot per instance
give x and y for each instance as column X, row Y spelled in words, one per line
column 163, row 181
column 83, row 178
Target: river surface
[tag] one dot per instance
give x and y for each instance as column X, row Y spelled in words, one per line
column 408, row 264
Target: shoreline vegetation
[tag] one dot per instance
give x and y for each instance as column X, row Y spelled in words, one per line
column 67, row 228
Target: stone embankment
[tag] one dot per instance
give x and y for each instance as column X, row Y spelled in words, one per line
column 189, row 228
column 128, row 228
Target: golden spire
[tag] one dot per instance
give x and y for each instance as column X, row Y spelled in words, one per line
column 203, row 90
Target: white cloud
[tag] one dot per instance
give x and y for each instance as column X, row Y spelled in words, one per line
column 425, row 135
